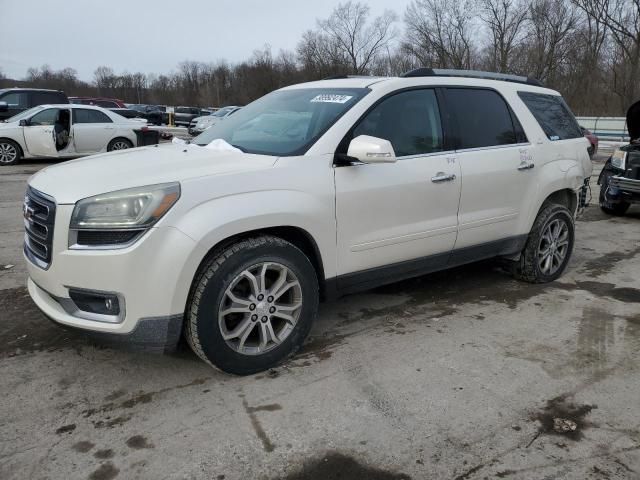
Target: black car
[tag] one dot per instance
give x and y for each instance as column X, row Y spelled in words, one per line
column 620, row 178
column 16, row 100
column 153, row 113
column 184, row 115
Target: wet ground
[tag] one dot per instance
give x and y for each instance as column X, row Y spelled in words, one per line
column 463, row 375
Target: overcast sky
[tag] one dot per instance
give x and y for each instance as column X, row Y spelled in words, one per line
column 152, row 35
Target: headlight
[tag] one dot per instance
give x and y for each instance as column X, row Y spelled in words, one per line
column 119, row 217
column 618, row 159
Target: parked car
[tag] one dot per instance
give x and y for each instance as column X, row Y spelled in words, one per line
column 113, row 104
column 593, row 141
column 232, row 240
column 620, row 178
column 154, row 114
column 200, row 124
column 64, row 131
column 183, row 115
column 16, row 100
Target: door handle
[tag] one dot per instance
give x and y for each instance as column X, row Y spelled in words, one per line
column 526, row 166
column 443, row 177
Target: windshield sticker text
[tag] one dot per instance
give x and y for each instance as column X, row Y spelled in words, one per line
column 331, row 98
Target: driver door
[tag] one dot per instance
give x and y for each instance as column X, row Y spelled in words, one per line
column 39, row 134
column 399, row 219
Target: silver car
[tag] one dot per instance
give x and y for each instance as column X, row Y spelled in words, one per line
column 200, row 124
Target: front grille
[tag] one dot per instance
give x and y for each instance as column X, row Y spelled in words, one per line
column 626, row 184
column 39, row 211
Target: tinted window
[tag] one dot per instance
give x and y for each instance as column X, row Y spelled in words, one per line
column 409, row 120
column 552, row 114
column 46, row 98
column 89, row 116
column 15, row 99
column 45, row 117
column 482, row 116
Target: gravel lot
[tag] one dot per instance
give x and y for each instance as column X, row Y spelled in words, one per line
column 456, row 375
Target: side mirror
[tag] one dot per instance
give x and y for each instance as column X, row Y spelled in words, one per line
column 369, row 149
column 4, row 107
column 23, row 123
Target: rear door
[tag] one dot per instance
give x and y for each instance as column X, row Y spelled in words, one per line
column 497, row 165
column 92, row 130
column 401, row 216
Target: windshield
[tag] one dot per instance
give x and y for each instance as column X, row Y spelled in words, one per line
column 25, row 114
column 222, row 112
column 285, row 122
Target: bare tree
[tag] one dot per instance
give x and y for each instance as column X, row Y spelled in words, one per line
column 551, row 28
column 622, row 19
column 359, row 42
column 505, row 20
column 439, row 33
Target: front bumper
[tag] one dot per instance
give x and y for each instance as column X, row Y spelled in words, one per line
column 152, row 276
column 621, row 190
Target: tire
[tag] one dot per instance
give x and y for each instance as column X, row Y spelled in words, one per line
column 532, row 266
column 217, row 337
column 10, row 152
column 119, row 144
column 617, row 209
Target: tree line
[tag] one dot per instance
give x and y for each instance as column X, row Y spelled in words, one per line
column 589, row 50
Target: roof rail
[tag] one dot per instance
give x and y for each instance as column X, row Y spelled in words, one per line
column 446, row 72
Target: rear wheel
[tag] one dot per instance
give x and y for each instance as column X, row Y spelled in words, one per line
column 252, row 305
column 549, row 246
column 119, row 144
column 9, row 152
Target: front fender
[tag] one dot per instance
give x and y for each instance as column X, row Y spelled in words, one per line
column 215, row 220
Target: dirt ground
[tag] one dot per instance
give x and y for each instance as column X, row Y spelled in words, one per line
column 466, row 375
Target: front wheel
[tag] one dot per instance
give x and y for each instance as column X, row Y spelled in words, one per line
column 9, row 152
column 549, row 246
column 252, row 305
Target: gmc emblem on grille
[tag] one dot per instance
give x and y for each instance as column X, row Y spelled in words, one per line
column 28, row 212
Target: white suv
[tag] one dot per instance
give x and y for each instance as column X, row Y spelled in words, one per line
column 313, row 191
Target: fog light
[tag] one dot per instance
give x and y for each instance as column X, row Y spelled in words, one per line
column 95, row 302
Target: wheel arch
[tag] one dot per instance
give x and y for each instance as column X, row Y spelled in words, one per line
column 295, row 235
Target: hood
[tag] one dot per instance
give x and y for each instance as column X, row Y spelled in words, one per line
column 77, row 179
column 633, row 121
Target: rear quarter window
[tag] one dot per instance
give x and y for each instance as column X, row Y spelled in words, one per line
column 553, row 115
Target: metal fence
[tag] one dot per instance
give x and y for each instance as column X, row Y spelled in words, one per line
column 612, row 129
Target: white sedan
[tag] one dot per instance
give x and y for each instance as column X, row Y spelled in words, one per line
column 65, row 131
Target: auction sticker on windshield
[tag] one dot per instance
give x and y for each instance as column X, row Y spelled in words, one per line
column 331, row 98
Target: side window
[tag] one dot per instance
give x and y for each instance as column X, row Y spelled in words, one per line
column 45, row 117
column 483, row 118
column 553, row 115
column 15, row 99
column 90, row 116
column 409, row 120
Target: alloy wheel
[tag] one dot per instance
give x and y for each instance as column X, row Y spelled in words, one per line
column 553, row 246
column 120, row 146
column 8, row 153
column 260, row 308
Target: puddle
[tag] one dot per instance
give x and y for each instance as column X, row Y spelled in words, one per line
column 337, row 466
